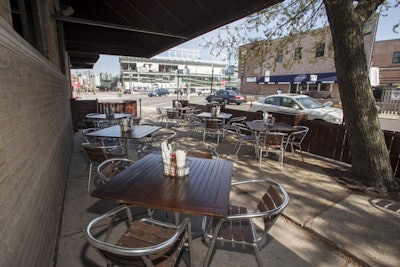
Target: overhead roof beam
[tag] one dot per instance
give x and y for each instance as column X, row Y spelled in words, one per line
column 117, row 27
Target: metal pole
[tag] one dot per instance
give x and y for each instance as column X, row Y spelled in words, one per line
column 212, row 77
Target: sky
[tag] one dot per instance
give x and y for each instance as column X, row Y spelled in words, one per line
column 110, row 64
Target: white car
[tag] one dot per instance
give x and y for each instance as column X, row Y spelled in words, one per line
column 293, row 103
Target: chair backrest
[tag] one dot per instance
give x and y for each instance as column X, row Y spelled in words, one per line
column 242, row 130
column 98, row 153
column 240, row 119
column 272, row 140
column 101, row 124
column 204, row 153
column 172, row 114
column 146, row 242
column 162, row 135
column 90, row 139
column 212, row 123
column 264, row 199
column 111, row 167
column 298, row 136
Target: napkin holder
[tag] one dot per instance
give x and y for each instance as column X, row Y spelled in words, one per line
column 173, row 171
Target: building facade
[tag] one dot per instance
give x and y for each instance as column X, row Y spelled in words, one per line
column 179, row 68
column 306, row 66
column 386, row 58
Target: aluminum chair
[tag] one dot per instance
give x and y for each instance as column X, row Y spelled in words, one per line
column 230, row 128
column 97, row 153
column 271, row 142
column 212, row 127
column 205, row 153
column 195, row 123
column 255, row 205
column 152, row 143
column 244, row 135
column 296, row 138
column 161, row 114
column 111, row 167
column 145, row 242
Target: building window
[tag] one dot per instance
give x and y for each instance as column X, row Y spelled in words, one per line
column 297, row 53
column 312, row 87
column 320, row 50
column 396, row 58
column 279, row 56
column 326, row 87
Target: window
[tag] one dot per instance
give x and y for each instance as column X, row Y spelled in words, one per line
column 273, row 101
column 326, row 87
column 396, row 57
column 320, row 50
column 297, row 53
column 313, row 87
column 279, row 56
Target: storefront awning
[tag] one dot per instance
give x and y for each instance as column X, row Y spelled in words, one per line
column 327, row 77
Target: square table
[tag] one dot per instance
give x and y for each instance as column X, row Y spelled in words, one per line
column 281, row 127
column 117, row 116
column 138, row 132
column 204, row 192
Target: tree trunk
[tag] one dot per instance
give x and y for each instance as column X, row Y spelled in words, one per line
column 370, row 157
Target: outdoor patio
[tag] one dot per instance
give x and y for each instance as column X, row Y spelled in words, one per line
column 325, row 222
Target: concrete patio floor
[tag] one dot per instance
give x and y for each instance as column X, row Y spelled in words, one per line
column 325, row 223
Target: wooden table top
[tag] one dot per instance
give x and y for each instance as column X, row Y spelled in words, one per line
column 138, row 132
column 259, row 126
column 221, row 115
column 117, row 116
column 204, row 192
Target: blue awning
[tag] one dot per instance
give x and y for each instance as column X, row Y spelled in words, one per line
column 300, row 78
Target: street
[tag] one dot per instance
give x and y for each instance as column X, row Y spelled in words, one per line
column 389, row 122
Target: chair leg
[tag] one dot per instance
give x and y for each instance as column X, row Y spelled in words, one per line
column 90, row 176
column 258, row 256
column 210, row 250
column 237, row 151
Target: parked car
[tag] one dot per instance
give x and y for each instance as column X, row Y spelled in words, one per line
column 295, row 103
column 127, row 91
column 227, row 97
column 158, row 92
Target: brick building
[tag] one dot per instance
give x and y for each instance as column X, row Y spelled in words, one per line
column 386, row 57
column 305, row 67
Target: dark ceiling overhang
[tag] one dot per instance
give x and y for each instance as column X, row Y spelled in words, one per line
column 143, row 28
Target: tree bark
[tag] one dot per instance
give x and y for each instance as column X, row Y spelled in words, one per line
column 370, row 157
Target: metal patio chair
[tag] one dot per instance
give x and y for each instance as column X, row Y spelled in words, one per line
column 97, row 153
column 255, row 205
column 145, row 242
column 296, row 138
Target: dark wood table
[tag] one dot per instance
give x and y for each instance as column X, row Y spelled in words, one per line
column 204, row 192
column 117, row 116
column 138, row 132
column 281, row 127
column 221, row 115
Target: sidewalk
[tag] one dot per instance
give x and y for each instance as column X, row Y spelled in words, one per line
column 325, row 224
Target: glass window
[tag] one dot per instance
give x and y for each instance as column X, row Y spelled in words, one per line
column 326, row 87
column 297, row 53
column 320, row 50
column 273, row 101
column 396, row 57
column 313, row 87
column 279, row 56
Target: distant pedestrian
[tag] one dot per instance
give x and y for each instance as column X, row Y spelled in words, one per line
column 279, row 91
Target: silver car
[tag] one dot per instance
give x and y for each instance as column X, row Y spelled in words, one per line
column 293, row 103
